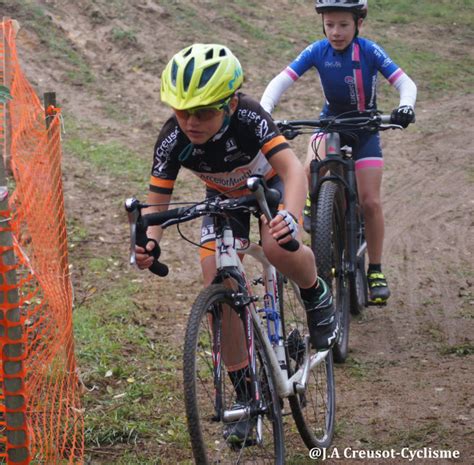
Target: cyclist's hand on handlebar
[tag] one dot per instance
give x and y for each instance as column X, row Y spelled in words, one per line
column 145, row 257
column 403, row 116
column 283, row 227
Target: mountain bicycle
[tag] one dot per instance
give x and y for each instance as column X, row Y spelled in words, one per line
column 265, row 322
column 337, row 220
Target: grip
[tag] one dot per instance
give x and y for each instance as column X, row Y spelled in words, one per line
column 160, row 269
column 291, row 246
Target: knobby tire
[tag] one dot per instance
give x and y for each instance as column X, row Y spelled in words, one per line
column 328, row 242
column 202, row 382
column 314, row 410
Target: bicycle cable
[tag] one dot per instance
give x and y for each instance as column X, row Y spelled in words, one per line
column 205, row 201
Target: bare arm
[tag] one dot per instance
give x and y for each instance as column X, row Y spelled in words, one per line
column 155, row 232
column 291, row 171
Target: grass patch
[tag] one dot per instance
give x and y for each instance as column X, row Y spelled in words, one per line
column 34, row 16
column 461, row 350
column 416, row 437
column 356, row 369
column 111, row 158
column 124, row 37
column 449, row 74
column 422, row 11
column 134, row 392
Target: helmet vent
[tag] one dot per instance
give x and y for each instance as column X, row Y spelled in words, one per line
column 187, row 52
column 209, row 54
column 174, row 73
column 222, row 53
column 207, row 74
column 188, row 74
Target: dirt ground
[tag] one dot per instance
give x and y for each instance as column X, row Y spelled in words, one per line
column 409, row 380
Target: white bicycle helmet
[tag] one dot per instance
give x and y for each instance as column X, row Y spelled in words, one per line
column 358, row 7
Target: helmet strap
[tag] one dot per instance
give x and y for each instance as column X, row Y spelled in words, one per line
column 186, row 152
column 225, row 123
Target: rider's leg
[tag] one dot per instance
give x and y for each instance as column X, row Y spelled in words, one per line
column 234, row 353
column 369, row 182
column 299, row 266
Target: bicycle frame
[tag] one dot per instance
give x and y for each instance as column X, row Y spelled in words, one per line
column 229, row 265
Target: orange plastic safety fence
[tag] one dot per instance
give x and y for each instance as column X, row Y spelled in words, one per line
column 44, row 401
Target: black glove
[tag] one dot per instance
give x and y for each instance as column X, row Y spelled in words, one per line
column 403, row 116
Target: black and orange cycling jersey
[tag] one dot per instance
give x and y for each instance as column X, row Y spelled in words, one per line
column 240, row 149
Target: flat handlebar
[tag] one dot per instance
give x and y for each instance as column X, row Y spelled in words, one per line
column 373, row 121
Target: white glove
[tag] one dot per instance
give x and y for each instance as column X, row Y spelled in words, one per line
column 290, row 221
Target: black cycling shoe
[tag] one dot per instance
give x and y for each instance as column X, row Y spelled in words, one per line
column 307, row 215
column 239, row 433
column 379, row 291
column 321, row 317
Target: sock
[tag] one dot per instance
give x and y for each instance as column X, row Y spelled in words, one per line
column 312, row 293
column 241, row 382
column 374, row 268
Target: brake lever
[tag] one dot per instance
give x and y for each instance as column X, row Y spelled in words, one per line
column 133, row 213
column 254, row 184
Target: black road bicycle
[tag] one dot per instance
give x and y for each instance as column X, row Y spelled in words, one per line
column 337, row 221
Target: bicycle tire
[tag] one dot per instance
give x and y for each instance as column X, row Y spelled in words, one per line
column 328, row 242
column 314, row 410
column 205, row 387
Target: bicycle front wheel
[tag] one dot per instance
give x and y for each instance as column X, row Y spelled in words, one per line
column 213, row 393
column 328, row 242
column 313, row 410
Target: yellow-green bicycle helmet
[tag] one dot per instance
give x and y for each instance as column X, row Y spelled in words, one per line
column 200, row 75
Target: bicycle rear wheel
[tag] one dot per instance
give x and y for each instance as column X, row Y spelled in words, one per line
column 313, row 410
column 210, row 394
column 328, row 242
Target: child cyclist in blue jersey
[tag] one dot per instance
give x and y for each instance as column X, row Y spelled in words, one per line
column 348, row 66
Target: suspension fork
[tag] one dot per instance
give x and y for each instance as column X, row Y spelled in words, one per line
column 314, row 168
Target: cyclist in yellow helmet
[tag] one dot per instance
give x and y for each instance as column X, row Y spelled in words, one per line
column 224, row 136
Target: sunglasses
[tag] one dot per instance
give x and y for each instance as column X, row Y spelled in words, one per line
column 202, row 113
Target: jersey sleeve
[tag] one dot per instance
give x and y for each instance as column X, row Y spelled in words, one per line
column 303, row 62
column 390, row 70
column 165, row 159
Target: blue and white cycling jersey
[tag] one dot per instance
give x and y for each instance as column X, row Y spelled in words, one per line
column 348, row 78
